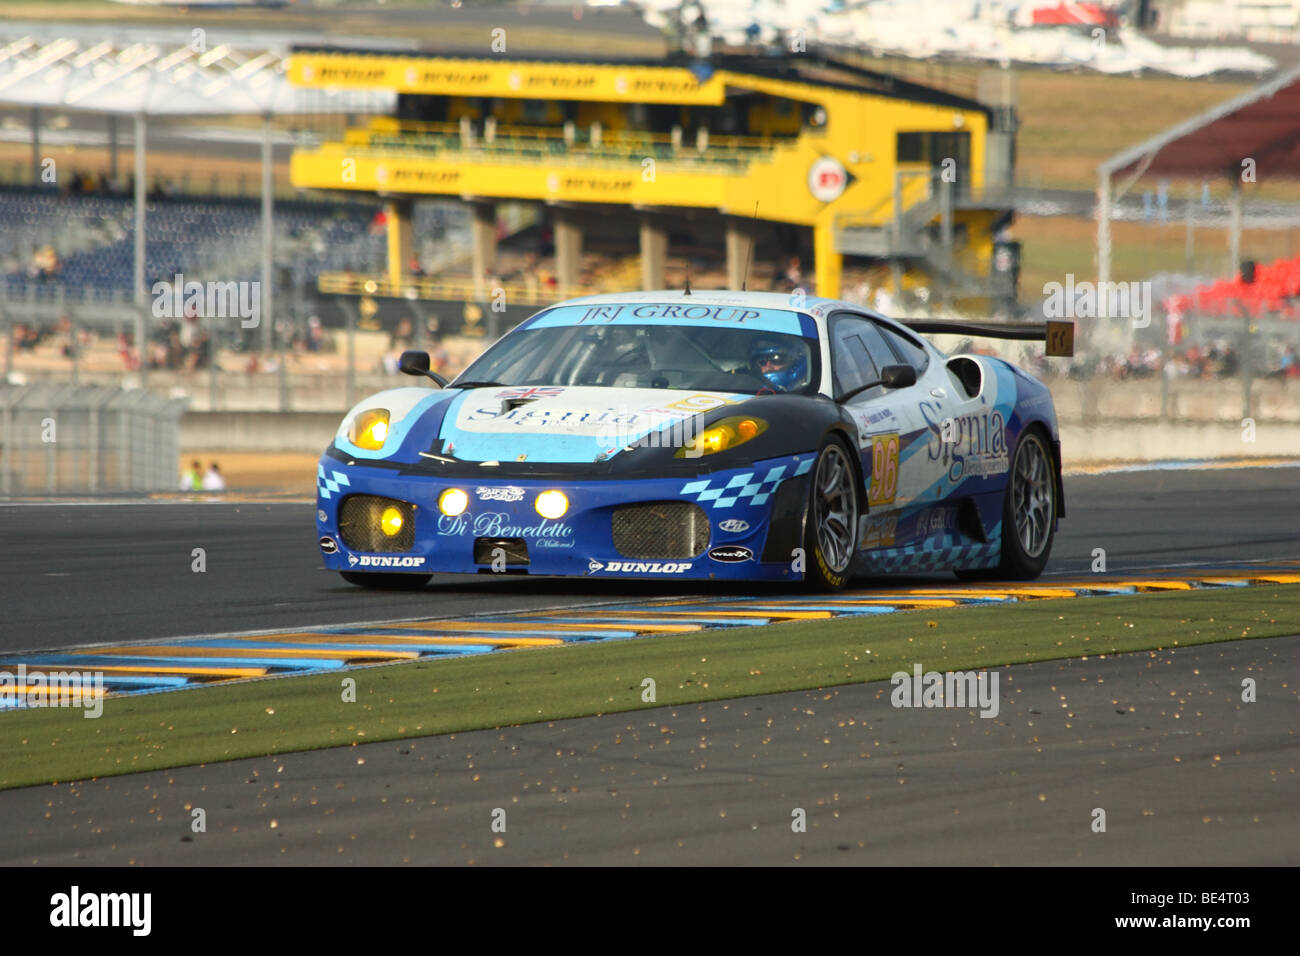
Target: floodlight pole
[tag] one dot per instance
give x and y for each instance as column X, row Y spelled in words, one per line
column 1103, row 246
column 1103, row 227
column 267, row 187
column 112, row 149
column 141, row 298
column 1234, row 226
column 36, row 145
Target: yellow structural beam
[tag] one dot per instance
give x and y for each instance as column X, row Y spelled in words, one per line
column 842, row 167
column 400, row 245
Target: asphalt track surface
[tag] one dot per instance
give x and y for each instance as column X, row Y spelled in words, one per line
column 1186, row 772
column 88, row 574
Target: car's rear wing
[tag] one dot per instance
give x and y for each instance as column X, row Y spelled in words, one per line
column 1059, row 336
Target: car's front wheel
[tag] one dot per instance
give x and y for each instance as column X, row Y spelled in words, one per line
column 831, row 521
column 386, row 582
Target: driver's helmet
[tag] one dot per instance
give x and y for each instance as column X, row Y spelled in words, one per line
column 783, row 365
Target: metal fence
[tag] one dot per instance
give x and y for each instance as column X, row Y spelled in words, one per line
column 56, row 439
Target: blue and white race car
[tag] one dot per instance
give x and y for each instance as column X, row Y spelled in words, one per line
column 707, row 435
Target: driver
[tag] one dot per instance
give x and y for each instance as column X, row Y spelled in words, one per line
column 783, row 367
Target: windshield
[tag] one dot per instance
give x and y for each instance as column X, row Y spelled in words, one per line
column 764, row 351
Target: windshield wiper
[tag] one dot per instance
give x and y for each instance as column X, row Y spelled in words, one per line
column 478, row 385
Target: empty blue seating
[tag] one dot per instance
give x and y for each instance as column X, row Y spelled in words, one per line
column 95, row 237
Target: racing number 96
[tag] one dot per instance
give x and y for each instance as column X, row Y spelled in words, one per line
column 884, row 469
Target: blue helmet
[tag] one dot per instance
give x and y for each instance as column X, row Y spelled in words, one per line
column 788, row 363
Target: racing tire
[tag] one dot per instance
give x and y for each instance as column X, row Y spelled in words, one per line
column 831, row 519
column 380, row 581
column 1029, row 509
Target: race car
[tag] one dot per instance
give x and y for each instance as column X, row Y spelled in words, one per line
column 676, row 435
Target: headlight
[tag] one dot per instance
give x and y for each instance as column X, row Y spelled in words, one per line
column 723, row 435
column 369, row 429
column 453, row 502
column 551, row 504
column 374, row 426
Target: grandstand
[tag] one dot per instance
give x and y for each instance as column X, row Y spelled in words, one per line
column 1267, row 291
column 423, row 183
column 1251, row 137
column 94, row 236
column 839, row 160
column 806, row 157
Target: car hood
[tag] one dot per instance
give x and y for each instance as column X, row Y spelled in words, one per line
column 557, row 424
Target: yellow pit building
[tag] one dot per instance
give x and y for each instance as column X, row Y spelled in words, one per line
column 866, row 164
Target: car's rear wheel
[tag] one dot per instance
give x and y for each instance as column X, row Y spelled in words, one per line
column 386, row 582
column 831, row 522
column 1029, row 509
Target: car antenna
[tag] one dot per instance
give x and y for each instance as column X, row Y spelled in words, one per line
column 749, row 253
column 687, row 291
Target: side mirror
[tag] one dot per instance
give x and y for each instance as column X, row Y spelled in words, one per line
column 897, row 376
column 415, row 362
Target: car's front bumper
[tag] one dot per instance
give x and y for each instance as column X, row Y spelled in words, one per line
column 754, row 516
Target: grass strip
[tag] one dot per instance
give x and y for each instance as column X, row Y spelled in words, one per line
column 232, row 721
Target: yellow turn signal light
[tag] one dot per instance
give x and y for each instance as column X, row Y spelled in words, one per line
column 370, row 429
column 722, row 435
column 551, row 504
column 453, row 502
column 390, row 522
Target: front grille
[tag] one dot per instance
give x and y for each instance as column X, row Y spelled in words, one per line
column 359, row 524
column 515, row 550
column 661, row 530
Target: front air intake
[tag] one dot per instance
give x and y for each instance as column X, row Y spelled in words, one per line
column 362, row 527
column 661, row 530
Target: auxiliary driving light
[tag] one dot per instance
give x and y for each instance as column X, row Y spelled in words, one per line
column 551, row 504
column 453, row 502
column 390, row 522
